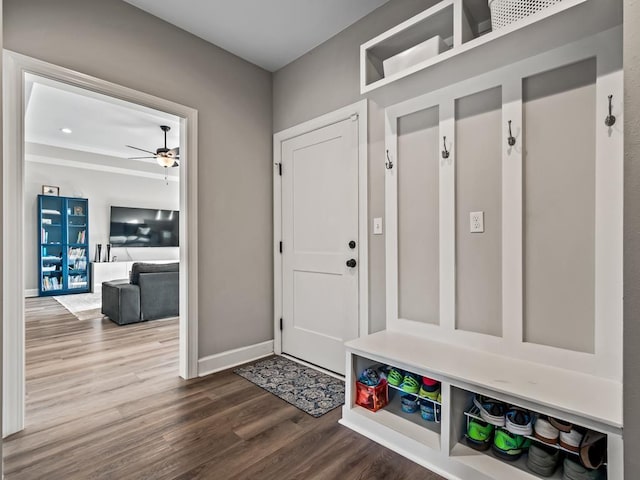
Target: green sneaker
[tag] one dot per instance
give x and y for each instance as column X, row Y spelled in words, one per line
column 479, row 434
column 509, row 446
column 431, row 395
column 410, row 383
column 394, row 377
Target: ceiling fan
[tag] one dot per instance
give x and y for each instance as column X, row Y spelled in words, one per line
column 166, row 157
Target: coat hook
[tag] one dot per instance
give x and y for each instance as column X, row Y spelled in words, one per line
column 611, row 119
column 388, row 163
column 445, row 152
column 511, row 140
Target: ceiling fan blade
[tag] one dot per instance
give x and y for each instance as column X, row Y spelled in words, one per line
column 175, row 164
column 141, row 149
column 138, row 158
column 175, row 151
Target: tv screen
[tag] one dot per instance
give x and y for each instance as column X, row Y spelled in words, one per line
column 144, row 227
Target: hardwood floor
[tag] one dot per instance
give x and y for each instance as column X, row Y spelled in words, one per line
column 106, row 402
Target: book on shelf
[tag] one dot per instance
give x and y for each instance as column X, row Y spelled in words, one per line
column 81, row 236
column 78, row 264
column 51, row 283
column 76, row 253
column 49, row 211
column 77, row 281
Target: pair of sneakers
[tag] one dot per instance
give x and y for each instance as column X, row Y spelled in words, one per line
column 514, row 419
column 405, row 381
column 506, row 445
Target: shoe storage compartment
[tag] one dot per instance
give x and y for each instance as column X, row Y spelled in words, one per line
column 464, row 411
column 392, row 417
column 465, row 373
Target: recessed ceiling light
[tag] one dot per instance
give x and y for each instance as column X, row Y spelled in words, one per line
column 65, row 130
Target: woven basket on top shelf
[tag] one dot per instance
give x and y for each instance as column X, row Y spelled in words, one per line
column 504, row 12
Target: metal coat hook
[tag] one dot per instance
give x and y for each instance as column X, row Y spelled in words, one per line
column 445, row 152
column 388, row 163
column 611, row 119
column 511, row 140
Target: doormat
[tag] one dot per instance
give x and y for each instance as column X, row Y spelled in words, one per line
column 311, row 391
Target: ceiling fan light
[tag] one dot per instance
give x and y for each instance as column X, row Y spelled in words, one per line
column 165, row 161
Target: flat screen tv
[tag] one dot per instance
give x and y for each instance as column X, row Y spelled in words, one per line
column 144, row 227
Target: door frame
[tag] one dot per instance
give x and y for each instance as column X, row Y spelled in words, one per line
column 360, row 110
column 15, row 67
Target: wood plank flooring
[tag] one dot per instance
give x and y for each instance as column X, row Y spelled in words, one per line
column 106, row 402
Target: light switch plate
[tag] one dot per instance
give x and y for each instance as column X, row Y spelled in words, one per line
column 476, row 222
column 377, row 226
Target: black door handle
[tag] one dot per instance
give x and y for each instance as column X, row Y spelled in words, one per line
column 351, row 263
column 352, row 244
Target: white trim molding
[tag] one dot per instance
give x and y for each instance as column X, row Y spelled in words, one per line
column 16, row 66
column 30, row 293
column 233, row 358
column 98, row 168
column 606, row 359
column 360, row 110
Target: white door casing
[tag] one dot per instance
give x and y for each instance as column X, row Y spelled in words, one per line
column 319, row 208
column 15, row 67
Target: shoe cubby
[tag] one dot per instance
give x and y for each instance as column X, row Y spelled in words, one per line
column 441, row 446
column 409, row 414
column 471, row 412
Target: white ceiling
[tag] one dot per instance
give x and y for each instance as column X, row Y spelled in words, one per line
column 270, row 33
column 99, row 124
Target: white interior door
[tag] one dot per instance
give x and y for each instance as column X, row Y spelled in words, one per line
column 320, row 244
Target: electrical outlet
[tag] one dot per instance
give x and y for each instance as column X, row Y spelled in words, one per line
column 476, row 222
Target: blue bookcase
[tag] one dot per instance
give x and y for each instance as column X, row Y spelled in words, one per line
column 63, row 223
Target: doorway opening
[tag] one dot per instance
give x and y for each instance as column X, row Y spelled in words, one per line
column 19, row 74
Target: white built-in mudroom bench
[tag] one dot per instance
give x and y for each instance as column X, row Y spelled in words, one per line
column 503, row 204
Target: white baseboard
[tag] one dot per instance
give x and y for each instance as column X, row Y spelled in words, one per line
column 231, row 358
column 30, row 292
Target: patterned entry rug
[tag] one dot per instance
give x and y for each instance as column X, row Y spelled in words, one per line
column 313, row 392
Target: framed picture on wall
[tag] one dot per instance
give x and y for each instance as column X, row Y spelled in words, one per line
column 50, row 190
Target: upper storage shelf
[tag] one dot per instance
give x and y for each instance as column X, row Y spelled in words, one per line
column 441, row 34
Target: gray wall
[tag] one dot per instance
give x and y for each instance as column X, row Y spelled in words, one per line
column 418, row 216
column 326, row 79
column 103, row 189
column 632, row 237
column 115, row 41
column 479, row 189
column 559, row 228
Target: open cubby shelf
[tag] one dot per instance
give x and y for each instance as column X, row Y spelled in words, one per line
column 408, row 433
column 466, row 28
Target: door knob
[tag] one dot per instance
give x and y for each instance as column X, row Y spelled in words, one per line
column 351, row 263
column 352, row 244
